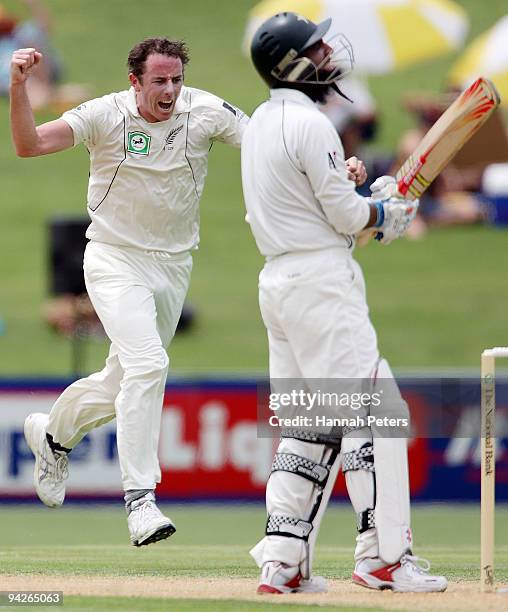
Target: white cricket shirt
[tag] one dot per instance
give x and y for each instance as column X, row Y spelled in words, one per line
column 146, row 179
column 295, row 184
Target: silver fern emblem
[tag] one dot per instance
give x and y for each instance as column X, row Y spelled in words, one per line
column 170, row 138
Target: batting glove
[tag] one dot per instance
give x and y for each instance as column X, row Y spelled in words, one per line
column 394, row 217
column 383, row 188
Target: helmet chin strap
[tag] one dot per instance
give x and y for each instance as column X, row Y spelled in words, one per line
column 335, row 87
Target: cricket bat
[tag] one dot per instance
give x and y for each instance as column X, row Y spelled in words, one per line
column 452, row 130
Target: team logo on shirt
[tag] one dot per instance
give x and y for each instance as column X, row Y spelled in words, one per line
column 138, row 142
column 170, row 138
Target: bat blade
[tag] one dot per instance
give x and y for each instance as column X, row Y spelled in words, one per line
column 463, row 118
column 446, row 137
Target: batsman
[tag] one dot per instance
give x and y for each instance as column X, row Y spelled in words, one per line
column 304, row 214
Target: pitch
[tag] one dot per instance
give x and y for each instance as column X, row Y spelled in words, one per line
column 84, row 551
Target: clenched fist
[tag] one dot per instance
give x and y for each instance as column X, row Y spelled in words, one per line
column 356, row 171
column 22, row 64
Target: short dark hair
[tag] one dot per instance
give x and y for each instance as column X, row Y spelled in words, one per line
column 164, row 46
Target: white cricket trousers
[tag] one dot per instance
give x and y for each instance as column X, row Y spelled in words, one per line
column 315, row 310
column 314, row 307
column 138, row 296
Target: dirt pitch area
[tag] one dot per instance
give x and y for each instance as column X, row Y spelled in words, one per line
column 460, row 596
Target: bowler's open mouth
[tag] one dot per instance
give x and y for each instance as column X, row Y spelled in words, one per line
column 166, row 105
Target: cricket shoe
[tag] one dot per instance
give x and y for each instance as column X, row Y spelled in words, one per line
column 409, row 575
column 147, row 524
column 278, row 578
column 51, row 468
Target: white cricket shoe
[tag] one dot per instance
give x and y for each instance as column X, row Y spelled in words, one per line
column 146, row 522
column 278, row 578
column 51, row 468
column 409, row 575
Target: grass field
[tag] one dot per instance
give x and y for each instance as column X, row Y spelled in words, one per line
column 435, row 303
column 86, row 547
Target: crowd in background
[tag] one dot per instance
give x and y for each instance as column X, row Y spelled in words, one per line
column 46, row 88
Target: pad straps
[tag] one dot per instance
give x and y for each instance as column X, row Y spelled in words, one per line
column 315, row 472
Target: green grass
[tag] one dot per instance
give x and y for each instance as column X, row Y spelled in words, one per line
column 434, row 303
column 123, row 603
column 213, row 542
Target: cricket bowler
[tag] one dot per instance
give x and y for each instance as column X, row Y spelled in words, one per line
column 148, row 150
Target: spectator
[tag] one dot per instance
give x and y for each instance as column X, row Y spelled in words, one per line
column 44, row 88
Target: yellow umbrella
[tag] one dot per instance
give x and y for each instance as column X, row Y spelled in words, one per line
column 486, row 56
column 385, row 34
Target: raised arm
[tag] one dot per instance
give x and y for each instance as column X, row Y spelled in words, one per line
column 29, row 140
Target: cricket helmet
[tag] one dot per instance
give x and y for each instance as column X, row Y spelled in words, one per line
column 279, row 44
